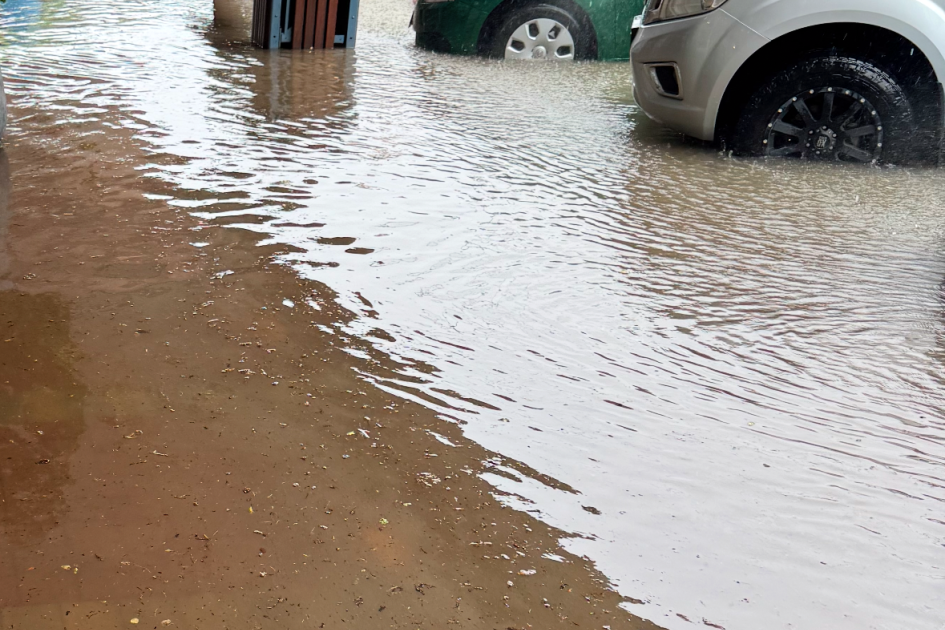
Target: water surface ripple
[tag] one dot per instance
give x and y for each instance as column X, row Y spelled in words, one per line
column 737, row 365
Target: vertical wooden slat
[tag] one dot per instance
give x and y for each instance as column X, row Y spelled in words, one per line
column 320, row 23
column 298, row 28
column 331, row 24
column 310, row 11
column 255, row 20
column 314, row 24
column 258, row 7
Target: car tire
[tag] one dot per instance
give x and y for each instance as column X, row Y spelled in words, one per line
column 830, row 107
column 532, row 26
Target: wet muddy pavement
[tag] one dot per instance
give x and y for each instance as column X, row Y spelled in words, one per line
column 392, row 339
column 179, row 446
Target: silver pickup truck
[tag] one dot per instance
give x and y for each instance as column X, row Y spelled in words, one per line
column 843, row 80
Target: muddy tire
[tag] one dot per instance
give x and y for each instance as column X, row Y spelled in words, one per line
column 542, row 31
column 830, row 107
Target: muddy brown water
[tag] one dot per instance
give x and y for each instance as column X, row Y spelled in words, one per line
column 720, row 381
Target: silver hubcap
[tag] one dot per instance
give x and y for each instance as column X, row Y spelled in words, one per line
column 543, row 38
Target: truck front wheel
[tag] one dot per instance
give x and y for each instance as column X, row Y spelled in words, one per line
column 834, row 108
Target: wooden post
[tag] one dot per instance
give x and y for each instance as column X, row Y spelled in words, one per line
column 298, row 28
column 320, row 23
column 332, row 24
column 311, row 8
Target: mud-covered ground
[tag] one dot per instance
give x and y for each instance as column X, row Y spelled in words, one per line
column 179, row 446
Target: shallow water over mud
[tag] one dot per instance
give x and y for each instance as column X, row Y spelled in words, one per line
column 732, row 370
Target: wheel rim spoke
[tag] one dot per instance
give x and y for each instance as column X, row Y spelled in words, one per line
column 827, row 114
column 804, row 111
column 789, row 130
column 517, row 50
column 859, row 132
column 855, row 108
column 791, row 149
column 856, row 153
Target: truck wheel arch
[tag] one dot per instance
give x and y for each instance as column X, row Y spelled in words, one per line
column 908, row 62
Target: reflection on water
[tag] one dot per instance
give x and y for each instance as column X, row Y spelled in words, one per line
column 5, row 282
column 738, row 365
column 41, row 414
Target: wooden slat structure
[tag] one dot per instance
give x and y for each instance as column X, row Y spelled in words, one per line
column 315, row 24
column 304, row 24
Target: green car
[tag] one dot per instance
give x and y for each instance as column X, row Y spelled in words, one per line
column 528, row 29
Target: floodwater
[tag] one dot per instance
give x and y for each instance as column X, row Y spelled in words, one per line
column 733, row 370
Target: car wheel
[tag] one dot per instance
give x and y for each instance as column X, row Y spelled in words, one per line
column 832, row 108
column 542, row 32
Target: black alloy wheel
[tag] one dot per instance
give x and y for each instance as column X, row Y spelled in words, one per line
column 832, row 108
column 826, row 124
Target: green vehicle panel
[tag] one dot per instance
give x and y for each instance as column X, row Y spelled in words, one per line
column 464, row 26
